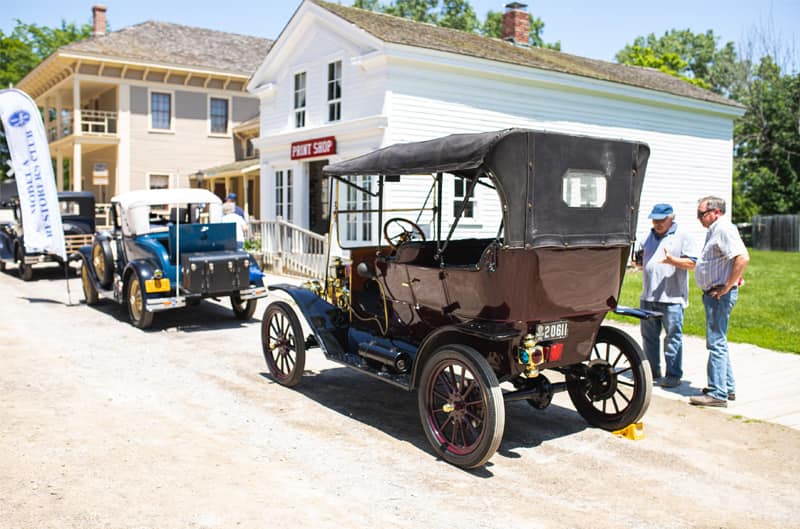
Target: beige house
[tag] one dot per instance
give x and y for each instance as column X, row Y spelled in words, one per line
column 147, row 106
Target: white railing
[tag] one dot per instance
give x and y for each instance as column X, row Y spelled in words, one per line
column 98, row 122
column 288, row 249
column 102, row 216
column 93, row 122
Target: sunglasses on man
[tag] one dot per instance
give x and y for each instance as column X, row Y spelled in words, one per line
column 701, row 214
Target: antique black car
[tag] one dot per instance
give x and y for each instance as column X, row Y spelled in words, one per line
column 454, row 318
column 168, row 248
column 77, row 218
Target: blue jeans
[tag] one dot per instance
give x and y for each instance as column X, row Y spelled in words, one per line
column 672, row 323
column 720, row 372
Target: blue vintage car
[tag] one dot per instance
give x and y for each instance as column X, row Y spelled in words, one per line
column 77, row 217
column 167, row 249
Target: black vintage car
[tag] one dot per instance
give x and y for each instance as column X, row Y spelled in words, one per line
column 455, row 317
column 77, row 218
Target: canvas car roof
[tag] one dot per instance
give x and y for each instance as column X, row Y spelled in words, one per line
column 528, row 168
column 148, row 197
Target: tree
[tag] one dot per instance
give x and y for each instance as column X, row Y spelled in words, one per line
column 766, row 174
column 23, row 50
column 767, row 143
column 419, row 10
column 493, row 27
column 458, row 14
column 686, row 55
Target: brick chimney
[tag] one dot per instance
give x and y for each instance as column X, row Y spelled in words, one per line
column 98, row 21
column 516, row 23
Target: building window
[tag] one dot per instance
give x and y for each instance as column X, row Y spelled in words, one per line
column 219, row 115
column 462, row 186
column 335, row 91
column 359, row 223
column 249, row 149
column 300, row 100
column 160, row 111
column 159, row 181
column 283, row 195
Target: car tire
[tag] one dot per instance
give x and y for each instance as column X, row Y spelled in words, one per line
column 615, row 384
column 283, row 344
column 461, row 406
column 25, row 270
column 135, row 300
column 243, row 310
column 103, row 262
column 89, row 291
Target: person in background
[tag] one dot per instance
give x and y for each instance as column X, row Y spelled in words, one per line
column 718, row 274
column 667, row 255
column 231, row 198
column 229, row 215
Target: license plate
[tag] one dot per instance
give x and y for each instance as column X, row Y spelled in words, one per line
column 554, row 330
column 156, row 285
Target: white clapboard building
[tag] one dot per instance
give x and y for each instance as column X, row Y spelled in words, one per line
column 340, row 82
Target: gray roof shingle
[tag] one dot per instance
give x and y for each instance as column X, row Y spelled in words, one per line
column 179, row 45
column 398, row 30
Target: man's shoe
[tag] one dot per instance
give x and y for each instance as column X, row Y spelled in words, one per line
column 731, row 395
column 670, row 382
column 708, row 400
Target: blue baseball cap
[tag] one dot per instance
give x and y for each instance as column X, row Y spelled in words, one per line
column 231, row 196
column 660, row 211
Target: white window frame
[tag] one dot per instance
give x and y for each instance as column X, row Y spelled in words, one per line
column 227, row 133
column 151, row 174
column 296, row 110
column 357, row 223
column 284, row 207
column 334, row 102
column 458, row 199
column 171, row 94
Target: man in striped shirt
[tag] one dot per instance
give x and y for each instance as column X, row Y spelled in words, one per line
column 718, row 273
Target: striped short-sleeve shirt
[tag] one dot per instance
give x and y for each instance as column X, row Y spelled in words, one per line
column 723, row 244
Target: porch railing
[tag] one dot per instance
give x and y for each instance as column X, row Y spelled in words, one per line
column 288, row 249
column 93, row 122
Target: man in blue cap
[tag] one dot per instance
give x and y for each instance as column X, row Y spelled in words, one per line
column 236, row 209
column 667, row 255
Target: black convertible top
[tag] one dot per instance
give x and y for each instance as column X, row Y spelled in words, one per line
column 528, row 169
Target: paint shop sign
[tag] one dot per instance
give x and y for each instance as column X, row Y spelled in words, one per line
column 312, row 148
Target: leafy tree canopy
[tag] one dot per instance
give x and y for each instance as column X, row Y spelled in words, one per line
column 766, row 138
column 693, row 57
column 24, row 48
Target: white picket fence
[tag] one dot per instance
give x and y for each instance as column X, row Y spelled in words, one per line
column 289, row 249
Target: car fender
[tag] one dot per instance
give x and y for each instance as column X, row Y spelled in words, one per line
column 143, row 269
column 482, row 336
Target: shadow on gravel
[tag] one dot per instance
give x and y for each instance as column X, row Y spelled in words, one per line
column 206, row 316
column 394, row 411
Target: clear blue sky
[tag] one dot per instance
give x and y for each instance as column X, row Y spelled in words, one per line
column 590, row 28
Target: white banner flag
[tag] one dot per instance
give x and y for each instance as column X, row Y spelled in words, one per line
column 30, row 157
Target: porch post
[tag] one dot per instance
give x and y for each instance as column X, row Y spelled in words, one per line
column 77, row 168
column 60, row 170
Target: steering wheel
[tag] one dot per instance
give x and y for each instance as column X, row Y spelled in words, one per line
column 408, row 231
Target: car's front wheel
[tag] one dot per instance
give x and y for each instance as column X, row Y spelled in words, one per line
column 89, row 291
column 243, row 310
column 283, row 344
column 461, row 406
column 139, row 315
column 25, row 270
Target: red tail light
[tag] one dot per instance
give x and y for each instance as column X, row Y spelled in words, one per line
column 553, row 352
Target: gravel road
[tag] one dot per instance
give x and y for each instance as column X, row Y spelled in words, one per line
column 103, row 426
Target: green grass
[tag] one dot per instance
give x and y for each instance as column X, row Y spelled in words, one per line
column 767, row 312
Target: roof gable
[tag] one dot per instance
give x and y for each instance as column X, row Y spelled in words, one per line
column 397, row 30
